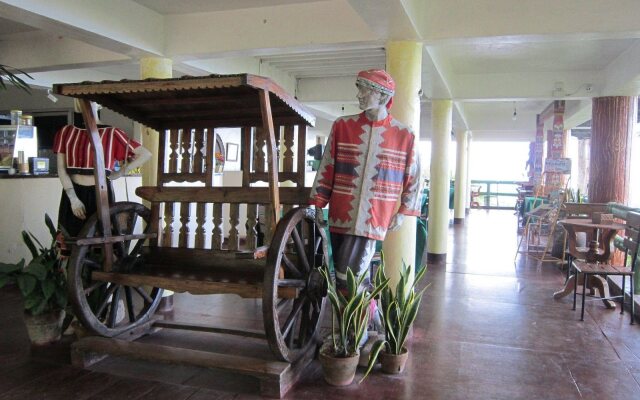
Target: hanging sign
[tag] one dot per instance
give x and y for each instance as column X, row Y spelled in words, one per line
column 558, row 165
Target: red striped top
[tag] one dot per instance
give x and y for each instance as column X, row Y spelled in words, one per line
column 75, row 143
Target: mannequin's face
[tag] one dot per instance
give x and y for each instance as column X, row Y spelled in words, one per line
column 369, row 99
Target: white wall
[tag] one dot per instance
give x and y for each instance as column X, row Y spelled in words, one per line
column 25, row 202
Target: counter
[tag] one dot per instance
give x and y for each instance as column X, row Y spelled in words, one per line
column 26, row 199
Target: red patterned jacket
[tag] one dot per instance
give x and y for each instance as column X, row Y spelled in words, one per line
column 365, row 168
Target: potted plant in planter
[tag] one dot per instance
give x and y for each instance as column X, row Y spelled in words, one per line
column 43, row 285
column 398, row 311
column 350, row 316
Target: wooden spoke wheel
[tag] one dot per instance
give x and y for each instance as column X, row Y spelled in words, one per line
column 297, row 251
column 107, row 308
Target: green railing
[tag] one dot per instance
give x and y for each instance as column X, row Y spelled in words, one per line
column 499, row 195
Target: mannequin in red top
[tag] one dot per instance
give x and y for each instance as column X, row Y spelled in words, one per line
column 75, row 169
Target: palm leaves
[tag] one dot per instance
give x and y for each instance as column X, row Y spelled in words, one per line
column 10, row 74
column 350, row 312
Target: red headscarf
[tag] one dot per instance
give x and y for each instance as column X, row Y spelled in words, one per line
column 378, row 79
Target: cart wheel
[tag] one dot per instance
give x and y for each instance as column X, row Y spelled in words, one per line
column 297, row 251
column 107, row 308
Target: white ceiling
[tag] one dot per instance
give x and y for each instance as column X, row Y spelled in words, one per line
column 488, row 56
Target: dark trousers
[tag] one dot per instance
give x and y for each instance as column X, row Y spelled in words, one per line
column 354, row 252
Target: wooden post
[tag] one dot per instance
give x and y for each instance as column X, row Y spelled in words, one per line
column 102, row 197
column 272, row 160
column 610, row 149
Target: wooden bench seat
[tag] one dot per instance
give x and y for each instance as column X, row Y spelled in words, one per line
column 199, row 271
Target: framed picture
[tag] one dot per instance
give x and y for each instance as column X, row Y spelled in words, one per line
column 232, row 152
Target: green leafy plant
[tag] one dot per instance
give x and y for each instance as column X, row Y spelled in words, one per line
column 10, row 74
column 350, row 313
column 42, row 281
column 398, row 311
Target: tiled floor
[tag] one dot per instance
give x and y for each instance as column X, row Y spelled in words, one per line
column 488, row 329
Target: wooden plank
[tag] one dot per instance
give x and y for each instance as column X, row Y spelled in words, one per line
column 173, row 152
column 180, row 356
column 183, row 232
column 167, row 232
column 193, row 286
column 114, row 239
column 257, row 254
column 252, row 223
column 182, row 177
column 302, row 154
column 209, row 159
column 99, row 174
column 234, row 220
column 288, row 141
column 283, row 176
column 258, row 152
column 246, row 150
column 200, row 220
column 161, row 124
column 211, row 329
column 289, row 195
column 198, row 149
column 216, row 234
column 272, row 160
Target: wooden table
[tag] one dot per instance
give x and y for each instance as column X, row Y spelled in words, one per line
column 599, row 250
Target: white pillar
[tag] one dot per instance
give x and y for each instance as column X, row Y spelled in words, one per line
column 460, row 194
column 468, row 150
column 441, row 112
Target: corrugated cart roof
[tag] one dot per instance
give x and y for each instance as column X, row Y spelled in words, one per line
column 206, row 102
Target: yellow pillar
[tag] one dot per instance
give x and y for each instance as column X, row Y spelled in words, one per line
column 439, row 182
column 404, row 63
column 460, row 195
column 152, row 67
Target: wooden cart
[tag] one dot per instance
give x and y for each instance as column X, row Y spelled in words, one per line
column 184, row 244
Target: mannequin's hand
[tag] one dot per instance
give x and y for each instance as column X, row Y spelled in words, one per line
column 76, row 205
column 320, row 217
column 396, row 222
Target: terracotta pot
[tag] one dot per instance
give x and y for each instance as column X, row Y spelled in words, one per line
column 44, row 329
column 338, row 371
column 394, row 363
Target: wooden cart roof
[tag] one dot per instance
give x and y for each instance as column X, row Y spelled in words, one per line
column 193, row 102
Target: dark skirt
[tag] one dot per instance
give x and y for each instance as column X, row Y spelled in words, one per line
column 87, row 195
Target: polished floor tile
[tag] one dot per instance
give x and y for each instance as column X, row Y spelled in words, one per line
column 488, row 328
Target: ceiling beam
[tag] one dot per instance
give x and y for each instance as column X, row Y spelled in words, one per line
column 131, row 29
column 462, row 20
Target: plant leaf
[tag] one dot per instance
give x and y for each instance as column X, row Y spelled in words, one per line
column 51, row 226
column 38, row 270
column 10, row 268
column 48, row 288
column 26, row 283
column 373, row 356
column 29, row 243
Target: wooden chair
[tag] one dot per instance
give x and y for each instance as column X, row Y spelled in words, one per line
column 631, row 244
column 475, row 195
column 580, row 210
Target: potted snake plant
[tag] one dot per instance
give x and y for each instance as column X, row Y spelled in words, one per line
column 43, row 285
column 340, row 353
column 398, row 311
